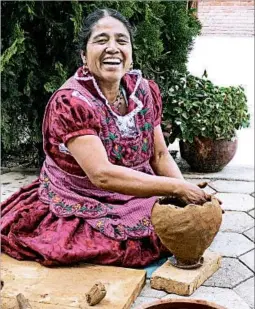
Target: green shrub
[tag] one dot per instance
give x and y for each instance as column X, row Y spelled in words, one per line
column 38, row 54
column 197, row 107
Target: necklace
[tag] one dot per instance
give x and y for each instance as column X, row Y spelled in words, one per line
column 120, row 99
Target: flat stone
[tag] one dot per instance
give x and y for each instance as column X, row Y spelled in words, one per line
column 147, row 291
column 232, row 186
column 250, row 234
column 231, row 273
column 183, row 281
column 220, row 296
column 248, row 259
column 141, row 301
column 252, row 213
column 236, row 221
column 236, row 201
column 66, row 286
column 231, row 244
column 246, row 291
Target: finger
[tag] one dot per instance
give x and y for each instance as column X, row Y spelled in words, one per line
column 202, row 185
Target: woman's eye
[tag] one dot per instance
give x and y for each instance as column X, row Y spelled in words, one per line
column 101, row 41
column 122, row 41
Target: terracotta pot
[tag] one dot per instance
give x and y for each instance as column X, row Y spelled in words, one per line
column 181, row 304
column 207, row 155
column 187, row 231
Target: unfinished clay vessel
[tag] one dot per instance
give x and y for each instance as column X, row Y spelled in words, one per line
column 187, row 231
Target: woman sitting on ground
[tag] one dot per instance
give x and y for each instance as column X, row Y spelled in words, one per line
column 106, row 163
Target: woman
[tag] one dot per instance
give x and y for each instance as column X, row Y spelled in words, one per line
column 106, row 163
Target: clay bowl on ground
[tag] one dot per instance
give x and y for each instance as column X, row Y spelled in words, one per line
column 181, row 304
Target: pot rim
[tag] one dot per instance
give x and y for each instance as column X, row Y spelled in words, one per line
column 181, row 301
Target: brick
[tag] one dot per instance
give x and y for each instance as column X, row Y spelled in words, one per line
column 246, row 291
column 231, row 244
column 248, row 259
column 232, row 186
column 250, row 234
column 231, row 273
column 236, row 221
column 236, row 201
column 252, row 213
column 184, row 281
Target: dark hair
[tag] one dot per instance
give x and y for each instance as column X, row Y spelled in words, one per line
column 93, row 18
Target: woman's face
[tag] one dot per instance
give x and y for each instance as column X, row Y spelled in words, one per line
column 109, row 50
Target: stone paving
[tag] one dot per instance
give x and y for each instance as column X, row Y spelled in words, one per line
column 232, row 285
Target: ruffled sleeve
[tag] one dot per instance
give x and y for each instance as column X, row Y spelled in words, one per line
column 71, row 116
column 157, row 102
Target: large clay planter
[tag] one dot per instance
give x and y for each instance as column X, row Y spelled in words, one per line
column 207, row 155
column 187, row 231
column 181, row 304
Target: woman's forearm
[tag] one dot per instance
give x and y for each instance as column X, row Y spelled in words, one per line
column 127, row 181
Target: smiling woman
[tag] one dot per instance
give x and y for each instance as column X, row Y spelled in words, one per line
column 106, row 163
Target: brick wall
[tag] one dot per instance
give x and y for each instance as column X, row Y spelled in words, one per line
column 225, row 17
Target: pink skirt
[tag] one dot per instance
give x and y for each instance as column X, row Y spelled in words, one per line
column 30, row 231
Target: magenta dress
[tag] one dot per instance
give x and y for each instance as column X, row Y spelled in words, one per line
column 62, row 218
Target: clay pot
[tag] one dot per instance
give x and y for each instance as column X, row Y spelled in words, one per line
column 187, row 231
column 207, row 155
column 181, row 304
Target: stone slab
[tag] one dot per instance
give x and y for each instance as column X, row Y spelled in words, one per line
column 248, row 259
column 236, row 221
column 183, row 281
column 250, row 234
column 220, row 296
column 66, row 286
column 246, row 291
column 236, row 201
column 231, row 273
column 231, row 244
column 232, row 186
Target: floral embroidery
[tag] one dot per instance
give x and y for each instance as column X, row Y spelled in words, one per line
column 68, row 208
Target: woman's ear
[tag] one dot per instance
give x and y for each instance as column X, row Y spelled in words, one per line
column 83, row 57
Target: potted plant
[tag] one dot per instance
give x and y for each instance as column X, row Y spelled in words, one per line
column 205, row 118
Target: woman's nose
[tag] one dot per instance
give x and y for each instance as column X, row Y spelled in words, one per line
column 112, row 47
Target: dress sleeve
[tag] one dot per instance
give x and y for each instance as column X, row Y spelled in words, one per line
column 157, row 102
column 70, row 116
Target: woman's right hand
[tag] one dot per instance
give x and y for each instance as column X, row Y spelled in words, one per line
column 192, row 194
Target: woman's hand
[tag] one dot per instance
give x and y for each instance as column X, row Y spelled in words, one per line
column 192, row 194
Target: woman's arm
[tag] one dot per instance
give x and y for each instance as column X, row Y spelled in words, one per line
column 90, row 154
column 162, row 162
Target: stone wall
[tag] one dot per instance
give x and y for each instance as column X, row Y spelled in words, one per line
column 225, row 17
